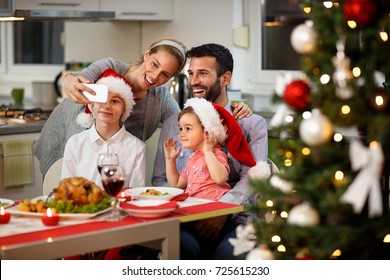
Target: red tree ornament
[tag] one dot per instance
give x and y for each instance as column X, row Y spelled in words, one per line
column 360, row 11
column 297, row 94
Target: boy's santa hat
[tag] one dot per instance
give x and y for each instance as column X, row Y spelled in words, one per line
column 225, row 128
column 116, row 84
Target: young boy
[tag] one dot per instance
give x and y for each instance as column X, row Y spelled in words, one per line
column 106, row 133
column 204, row 127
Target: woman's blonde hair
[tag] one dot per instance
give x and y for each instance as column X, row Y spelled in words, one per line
column 173, row 47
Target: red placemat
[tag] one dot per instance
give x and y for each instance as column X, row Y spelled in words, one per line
column 63, row 231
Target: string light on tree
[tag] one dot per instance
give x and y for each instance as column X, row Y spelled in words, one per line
column 345, row 109
column 380, row 100
column 338, row 137
column 338, row 178
column 328, row 4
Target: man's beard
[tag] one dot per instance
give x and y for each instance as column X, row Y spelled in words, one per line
column 213, row 92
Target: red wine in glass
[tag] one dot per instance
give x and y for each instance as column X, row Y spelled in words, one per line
column 113, row 180
column 113, row 187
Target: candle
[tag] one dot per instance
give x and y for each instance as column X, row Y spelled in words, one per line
column 123, row 196
column 50, row 218
column 4, row 216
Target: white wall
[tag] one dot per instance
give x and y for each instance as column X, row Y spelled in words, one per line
column 90, row 41
column 203, row 21
column 195, row 22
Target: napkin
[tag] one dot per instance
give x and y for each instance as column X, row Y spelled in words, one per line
column 167, row 205
column 180, row 197
column 18, row 162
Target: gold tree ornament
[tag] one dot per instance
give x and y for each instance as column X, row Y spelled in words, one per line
column 316, row 130
column 342, row 74
column 303, row 215
column 303, row 38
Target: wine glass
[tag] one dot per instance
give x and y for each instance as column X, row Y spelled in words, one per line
column 113, row 180
column 107, row 159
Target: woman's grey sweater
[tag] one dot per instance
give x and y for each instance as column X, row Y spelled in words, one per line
column 147, row 114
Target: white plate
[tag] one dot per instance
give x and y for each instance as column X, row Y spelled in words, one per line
column 148, row 213
column 135, row 193
column 65, row 216
column 6, row 201
column 42, row 197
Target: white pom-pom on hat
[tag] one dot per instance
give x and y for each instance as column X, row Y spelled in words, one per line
column 260, row 171
column 85, row 119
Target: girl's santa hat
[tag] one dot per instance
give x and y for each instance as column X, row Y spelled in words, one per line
column 224, row 126
column 116, row 84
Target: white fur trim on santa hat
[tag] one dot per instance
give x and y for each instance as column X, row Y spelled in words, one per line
column 84, row 119
column 119, row 86
column 260, row 171
column 209, row 117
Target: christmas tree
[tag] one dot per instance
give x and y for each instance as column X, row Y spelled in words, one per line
column 331, row 197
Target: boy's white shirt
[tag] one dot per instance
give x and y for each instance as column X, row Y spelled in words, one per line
column 82, row 149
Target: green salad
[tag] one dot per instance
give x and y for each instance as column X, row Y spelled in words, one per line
column 2, row 204
column 67, row 206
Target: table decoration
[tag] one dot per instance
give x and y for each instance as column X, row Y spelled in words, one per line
column 4, row 216
column 50, row 218
column 123, row 196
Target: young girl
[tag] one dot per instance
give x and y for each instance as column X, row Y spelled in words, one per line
column 201, row 129
column 106, row 133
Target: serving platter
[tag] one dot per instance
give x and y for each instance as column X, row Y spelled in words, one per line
column 42, row 197
column 168, row 193
column 6, row 203
column 63, row 216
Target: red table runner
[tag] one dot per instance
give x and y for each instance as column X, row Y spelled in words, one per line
column 185, row 214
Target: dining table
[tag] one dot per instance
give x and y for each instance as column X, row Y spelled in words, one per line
column 26, row 237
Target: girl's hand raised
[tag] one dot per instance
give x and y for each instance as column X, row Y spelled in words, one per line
column 209, row 141
column 170, row 149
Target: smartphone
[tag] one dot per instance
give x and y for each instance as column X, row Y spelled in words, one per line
column 101, row 93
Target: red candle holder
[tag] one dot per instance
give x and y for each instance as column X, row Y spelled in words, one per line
column 122, row 196
column 50, row 218
column 5, row 217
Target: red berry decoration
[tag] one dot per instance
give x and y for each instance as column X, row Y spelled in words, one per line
column 360, row 11
column 297, row 94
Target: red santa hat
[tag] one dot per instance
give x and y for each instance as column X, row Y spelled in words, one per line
column 116, row 84
column 224, row 126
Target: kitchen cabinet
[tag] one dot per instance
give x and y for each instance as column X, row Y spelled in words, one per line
column 124, row 9
column 139, row 9
column 79, row 5
column 6, row 8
